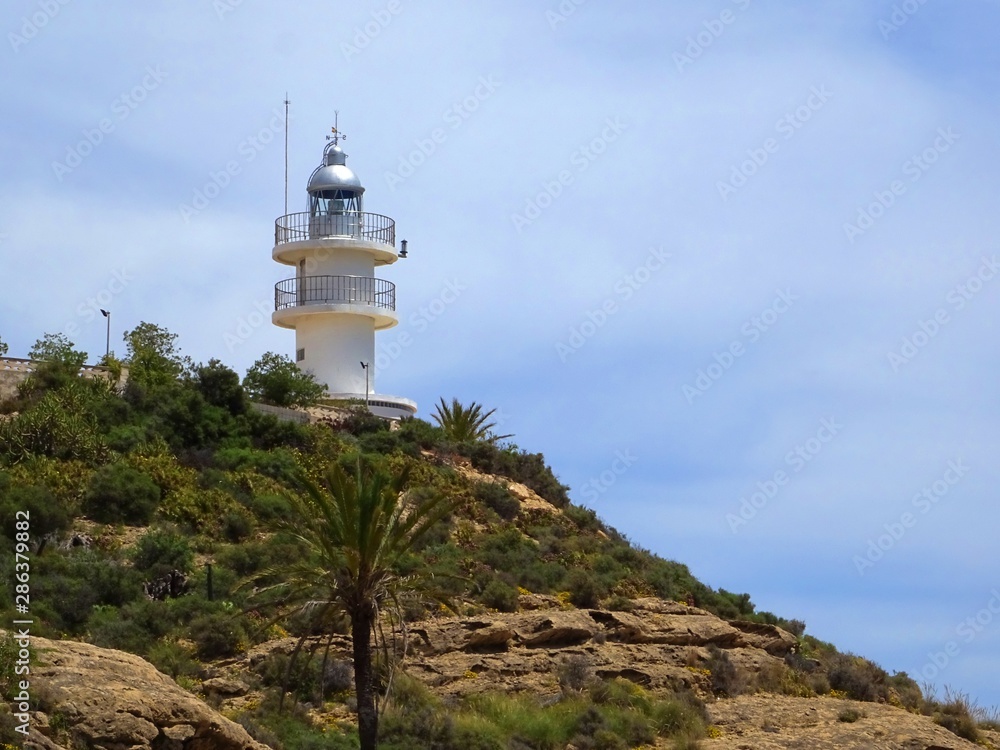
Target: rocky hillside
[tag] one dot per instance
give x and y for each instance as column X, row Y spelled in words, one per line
column 93, row 697
column 156, row 512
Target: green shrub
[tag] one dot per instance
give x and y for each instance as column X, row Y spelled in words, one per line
column 67, row 585
column 907, row 691
column 957, row 715
column 58, row 426
column 110, row 627
column 172, row 659
column 474, row 733
column 584, row 518
column 217, row 636
column 584, row 588
column 778, row 677
column 268, row 508
column 295, row 731
column 420, row 434
column 527, row 468
column 220, row 386
column 276, row 463
column 47, row 515
column 683, row 715
column 619, row 604
column 275, row 379
column 117, row 493
column 496, row 496
column 8, row 656
column 236, row 526
column 861, row 679
column 849, row 715
column 160, row 551
column 300, row 677
column 499, row 596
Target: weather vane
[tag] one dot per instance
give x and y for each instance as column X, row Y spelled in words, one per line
column 337, row 135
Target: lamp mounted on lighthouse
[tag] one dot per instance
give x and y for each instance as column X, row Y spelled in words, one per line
column 334, row 302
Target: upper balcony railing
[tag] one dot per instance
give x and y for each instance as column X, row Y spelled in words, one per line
column 363, row 226
column 335, row 290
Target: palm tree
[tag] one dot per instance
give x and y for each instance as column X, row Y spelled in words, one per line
column 356, row 530
column 466, row 424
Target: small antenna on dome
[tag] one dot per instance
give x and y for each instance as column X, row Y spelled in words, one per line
column 337, row 135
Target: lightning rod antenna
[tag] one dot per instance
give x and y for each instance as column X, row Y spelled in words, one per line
column 286, row 153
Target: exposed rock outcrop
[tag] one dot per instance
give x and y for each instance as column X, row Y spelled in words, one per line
column 652, row 645
column 779, row 722
column 115, row 701
column 111, row 700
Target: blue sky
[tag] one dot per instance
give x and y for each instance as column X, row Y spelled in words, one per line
column 691, row 252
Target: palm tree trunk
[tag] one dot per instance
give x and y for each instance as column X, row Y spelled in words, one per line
column 361, row 637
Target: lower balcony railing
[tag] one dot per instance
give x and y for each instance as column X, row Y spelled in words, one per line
column 335, row 290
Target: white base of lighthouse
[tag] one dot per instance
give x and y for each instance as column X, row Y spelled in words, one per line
column 332, row 348
column 380, row 404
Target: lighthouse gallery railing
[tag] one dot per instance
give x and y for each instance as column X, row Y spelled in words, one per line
column 360, row 225
column 335, row 290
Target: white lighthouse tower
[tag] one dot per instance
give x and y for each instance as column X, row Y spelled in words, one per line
column 335, row 303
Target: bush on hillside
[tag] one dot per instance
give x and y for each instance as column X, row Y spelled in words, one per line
column 499, row 596
column 57, row 426
column 218, row 635
column 861, row 679
column 48, row 517
column 529, row 469
column 497, row 497
column 160, row 551
column 117, row 493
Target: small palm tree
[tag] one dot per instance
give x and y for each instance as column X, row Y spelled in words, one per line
column 466, row 424
column 356, row 530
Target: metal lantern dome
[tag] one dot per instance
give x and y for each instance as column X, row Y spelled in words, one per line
column 334, row 174
column 334, row 190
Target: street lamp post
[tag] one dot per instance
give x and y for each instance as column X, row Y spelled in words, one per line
column 107, row 344
column 364, row 366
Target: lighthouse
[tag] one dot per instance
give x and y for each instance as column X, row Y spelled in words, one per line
column 334, row 302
